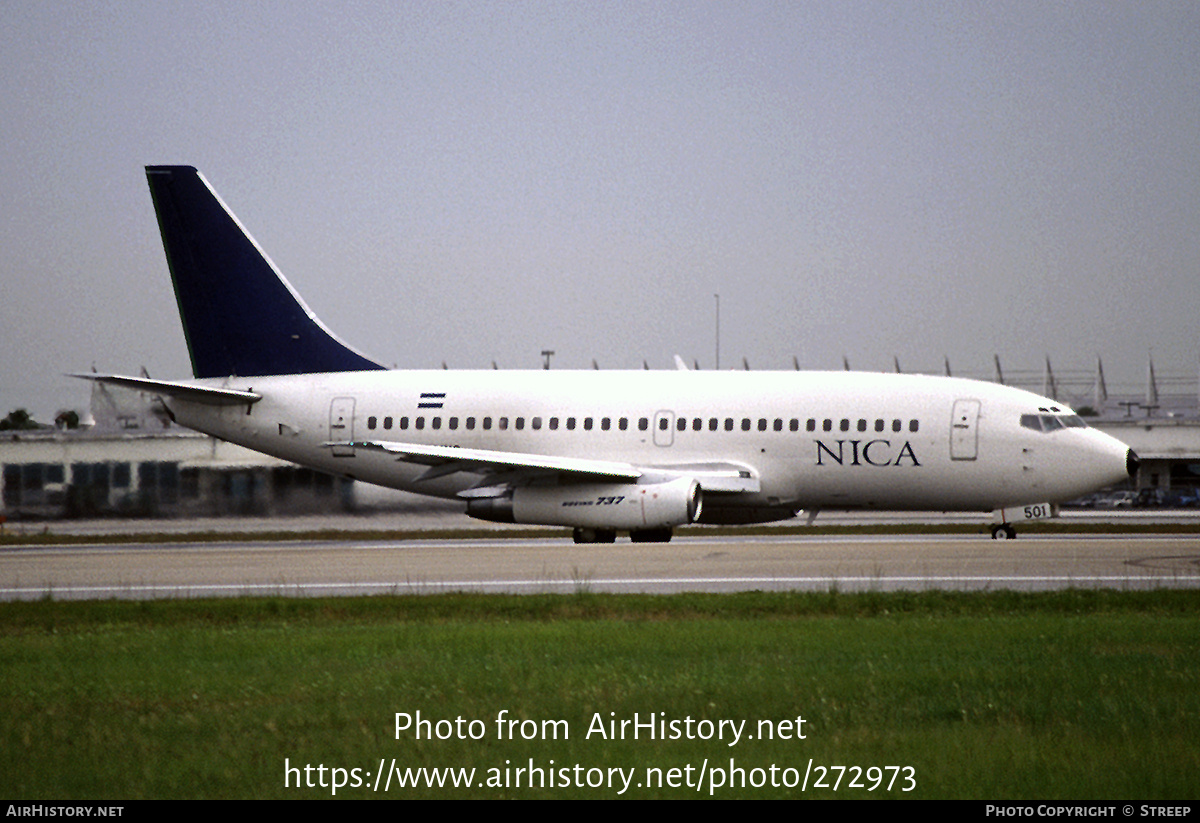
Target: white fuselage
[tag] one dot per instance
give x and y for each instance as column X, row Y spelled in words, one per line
column 808, row 439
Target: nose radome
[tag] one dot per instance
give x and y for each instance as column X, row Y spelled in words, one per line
column 1113, row 461
column 1132, row 463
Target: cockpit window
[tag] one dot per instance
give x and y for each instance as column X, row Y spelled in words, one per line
column 1052, row 422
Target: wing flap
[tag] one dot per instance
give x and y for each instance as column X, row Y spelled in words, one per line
column 445, row 460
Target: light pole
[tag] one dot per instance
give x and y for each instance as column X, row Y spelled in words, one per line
column 717, row 297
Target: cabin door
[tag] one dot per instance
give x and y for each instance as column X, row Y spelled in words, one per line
column 341, row 425
column 964, row 430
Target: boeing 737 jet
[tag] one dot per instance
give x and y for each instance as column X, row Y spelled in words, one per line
column 599, row 451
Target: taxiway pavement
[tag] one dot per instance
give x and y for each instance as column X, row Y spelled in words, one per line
column 522, row 565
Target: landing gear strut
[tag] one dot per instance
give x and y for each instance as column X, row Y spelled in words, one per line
column 1004, row 531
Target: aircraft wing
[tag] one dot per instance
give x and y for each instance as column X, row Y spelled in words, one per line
column 516, row 467
column 208, row 395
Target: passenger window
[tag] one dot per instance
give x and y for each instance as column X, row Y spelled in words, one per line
column 487, row 423
column 587, row 424
column 519, row 423
column 811, row 425
column 862, row 425
column 387, row 422
column 713, row 424
column 605, row 423
column 728, row 424
column 794, row 425
column 827, row 425
column 370, row 422
column 435, row 422
column 844, row 425
column 643, row 424
column 453, row 422
column 470, row 423
column 420, row 422
column 553, row 424
column 697, row 424
column 896, row 425
column 913, row 425
column 663, row 424
column 879, row 425
column 535, row 423
column 623, row 423
column 404, row 422
column 762, row 424
column 681, row 424
column 745, row 424
column 570, row 424
column 503, row 424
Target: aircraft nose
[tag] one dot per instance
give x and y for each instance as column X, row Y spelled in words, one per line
column 1111, row 461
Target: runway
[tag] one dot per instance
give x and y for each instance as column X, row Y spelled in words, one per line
column 522, row 566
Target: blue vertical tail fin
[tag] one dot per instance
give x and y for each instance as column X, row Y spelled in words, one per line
column 240, row 316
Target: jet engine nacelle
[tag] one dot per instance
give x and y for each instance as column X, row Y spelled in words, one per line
column 596, row 505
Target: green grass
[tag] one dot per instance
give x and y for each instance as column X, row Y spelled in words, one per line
column 1077, row 694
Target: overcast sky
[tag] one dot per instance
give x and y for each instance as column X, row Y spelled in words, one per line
column 480, row 181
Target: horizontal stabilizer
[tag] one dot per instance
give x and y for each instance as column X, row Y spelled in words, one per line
column 183, row 391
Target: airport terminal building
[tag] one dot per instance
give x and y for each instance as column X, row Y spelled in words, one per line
column 131, row 461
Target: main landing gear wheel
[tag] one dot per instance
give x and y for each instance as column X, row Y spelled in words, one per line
column 651, row 535
column 595, row 535
column 1004, row 531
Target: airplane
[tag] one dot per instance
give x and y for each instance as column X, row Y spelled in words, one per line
column 640, row 452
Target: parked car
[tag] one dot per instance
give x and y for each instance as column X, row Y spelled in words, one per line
column 1118, row 500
